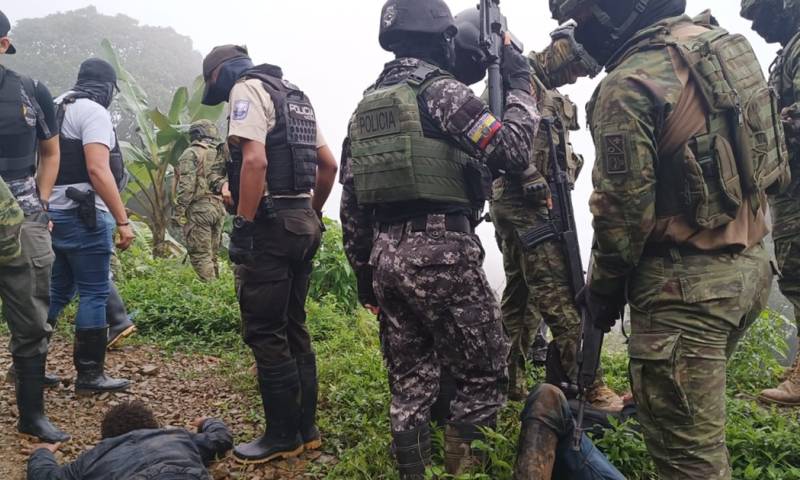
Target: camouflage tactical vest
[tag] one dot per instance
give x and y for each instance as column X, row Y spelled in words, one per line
column 392, row 160
column 782, row 81
column 553, row 104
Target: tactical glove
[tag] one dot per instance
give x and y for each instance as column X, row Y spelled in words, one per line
column 603, row 312
column 241, row 248
column 534, row 187
column 366, row 294
column 516, row 70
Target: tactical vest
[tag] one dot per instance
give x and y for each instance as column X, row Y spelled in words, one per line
column 392, row 160
column 742, row 152
column 73, row 158
column 555, row 105
column 291, row 145
column 19, row 115
column 782, row 81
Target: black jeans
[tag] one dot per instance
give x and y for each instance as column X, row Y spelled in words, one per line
column 272, row 290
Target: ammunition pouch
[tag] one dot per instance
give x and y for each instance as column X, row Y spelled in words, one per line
column 87, row 211
column 533, row 237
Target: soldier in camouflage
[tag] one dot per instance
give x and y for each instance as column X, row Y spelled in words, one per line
column 695, row 275
column 10, row 224
column 201, row 189
column 778, row 21
column 417, row 259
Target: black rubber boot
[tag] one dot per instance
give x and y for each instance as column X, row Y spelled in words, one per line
column 280, row 394
column 89, row 355
column 458, row 454
column 119, row 322
column 412, row 451
column 30, row 400
column 309, row 390
column 50, row 380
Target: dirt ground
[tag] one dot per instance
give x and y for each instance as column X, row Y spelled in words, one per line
column 179, row 388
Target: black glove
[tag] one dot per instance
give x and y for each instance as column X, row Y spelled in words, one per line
column 516, row 70
column 603, row 312
column 534, row 187
column 366, row 295
column 240, row 249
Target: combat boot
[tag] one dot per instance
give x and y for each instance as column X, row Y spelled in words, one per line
column 119, row 322
column 89, row 355
column 787, row 393
column 788, row 370
column 309, row 390
column 412, row 452
column 602, row 398
column 30, row 400
column 459, row 457
column 280, row 392
column 536, row 451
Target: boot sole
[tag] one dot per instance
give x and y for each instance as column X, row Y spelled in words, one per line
column 274, row 456
column 124, row 334
column 772, row 401
column 82, row 392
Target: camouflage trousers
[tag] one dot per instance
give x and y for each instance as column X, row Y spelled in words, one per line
column 687, row 315
column 438, row 313
column 537, row 285
column 786, row 215
column 203, row 236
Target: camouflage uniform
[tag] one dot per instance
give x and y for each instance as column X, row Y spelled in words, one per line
column 537, row 280
column 437, row 309
column 201, row 175
column 689, row 303
column 11, row 219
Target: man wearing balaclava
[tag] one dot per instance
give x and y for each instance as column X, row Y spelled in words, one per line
column 85, row 209
column 687, row 145
column 778, row 21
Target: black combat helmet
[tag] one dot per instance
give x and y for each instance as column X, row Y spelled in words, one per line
column 400, row 18
column 471, row 61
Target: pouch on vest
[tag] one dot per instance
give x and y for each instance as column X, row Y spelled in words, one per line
column 394, row 162
column 742, row 113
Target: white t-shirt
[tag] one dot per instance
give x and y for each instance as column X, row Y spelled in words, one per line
column 89, row 122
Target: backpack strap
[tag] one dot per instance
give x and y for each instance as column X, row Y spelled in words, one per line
column 29, row 85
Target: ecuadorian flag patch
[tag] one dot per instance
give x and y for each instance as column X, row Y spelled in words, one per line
column 484, row 130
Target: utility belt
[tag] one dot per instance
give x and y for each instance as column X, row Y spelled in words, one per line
column 452, row 223
column 667, row 250
column 87, row 210
column 268, row 209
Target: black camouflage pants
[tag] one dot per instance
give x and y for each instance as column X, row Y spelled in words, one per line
column 438, row 312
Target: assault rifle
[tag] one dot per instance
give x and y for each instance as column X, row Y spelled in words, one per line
column 494, row 26
column 561, row 227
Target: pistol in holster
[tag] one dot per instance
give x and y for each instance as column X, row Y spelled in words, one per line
column 87, row 211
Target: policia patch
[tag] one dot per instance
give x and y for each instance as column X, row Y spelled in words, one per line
column 615, row 153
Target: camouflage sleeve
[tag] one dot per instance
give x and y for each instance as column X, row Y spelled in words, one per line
column 456, row 109
column 357, row 221
column 217, row 174
column 623, row 200
column 187, row 181
column 564, row 61
column 11, row 219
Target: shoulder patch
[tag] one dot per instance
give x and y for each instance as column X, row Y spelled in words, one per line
column 483, row 130
column 615, row 146
column 240, row 110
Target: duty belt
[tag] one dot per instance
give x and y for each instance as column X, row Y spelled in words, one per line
column 452, row 223
column 291, row 203
column 666, row 249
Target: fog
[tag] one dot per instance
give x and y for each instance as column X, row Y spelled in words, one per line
column 330, row 48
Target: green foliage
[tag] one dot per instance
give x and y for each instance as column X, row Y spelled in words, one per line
column 332, row 274
column 754, row 365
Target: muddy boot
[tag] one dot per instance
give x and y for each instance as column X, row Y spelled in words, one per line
column 440, row 411
column 309, row 389
column 89, row 355
column 119, row 322
column 412, row 451
column 536, row 451
column 459, row 457
column 30, row 400
column 280, row 393
column 602, row 398
column 787, row 393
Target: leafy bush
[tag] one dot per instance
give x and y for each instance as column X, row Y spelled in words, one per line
column 332, row 275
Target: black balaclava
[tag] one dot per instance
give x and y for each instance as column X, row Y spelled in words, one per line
column 775, row 27
column 229, row 73
column 436, row 49
column 601, row 41
column 97, row 81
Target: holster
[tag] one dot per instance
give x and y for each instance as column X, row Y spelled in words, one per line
column 87, row 211
column 266, row 210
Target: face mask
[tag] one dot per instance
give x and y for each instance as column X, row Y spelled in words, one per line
column 229, row 73
column 773, row 28
column 100, row 92
column 470, row 67
column 596, row 39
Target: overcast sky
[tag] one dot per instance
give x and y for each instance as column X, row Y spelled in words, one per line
column 330, row 49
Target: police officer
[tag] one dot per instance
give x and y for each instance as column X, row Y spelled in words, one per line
column 85, row 208
column 199, row 207
column 29, row 158
column 273, row 136
column 778, row 21
column 678, row 204
column 415, row 170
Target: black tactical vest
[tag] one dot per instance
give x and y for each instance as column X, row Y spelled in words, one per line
column 291, row 145
column 19, row 115
column 73, row 158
